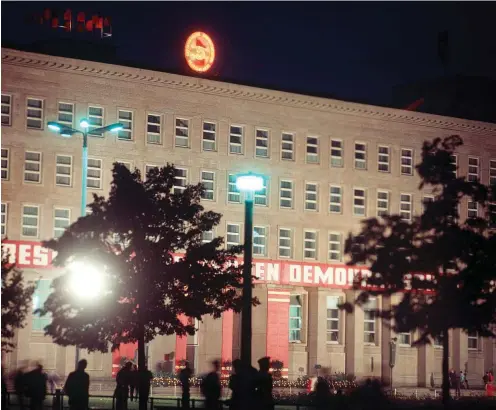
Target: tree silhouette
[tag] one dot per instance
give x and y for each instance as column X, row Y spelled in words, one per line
column 457, row 256
column 131, row 237
column 16, row 301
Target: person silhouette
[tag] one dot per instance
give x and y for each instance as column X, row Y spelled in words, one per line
column 211, row 388
column 184, row 376
column 77, row 387
column 264, row 385
column 36, row 387
column 145, row 378
column 235, row 385
column 123, row 380
column 133, row 383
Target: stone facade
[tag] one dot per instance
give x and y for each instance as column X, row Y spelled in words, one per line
column 213, row 129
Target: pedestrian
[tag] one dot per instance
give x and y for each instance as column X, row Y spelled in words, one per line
column 20, row 385
column 465, row 378
column 77, row 387
column 121, row 392
column 36, row 387
column 322, row 393
column 264, row 385
column 145, row 378
column 4, row 391
column 133, row 387
column 457, row 383
column 184, row 376
column 211, row 388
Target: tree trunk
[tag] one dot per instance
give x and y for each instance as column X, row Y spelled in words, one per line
column 445, row 366
column 141, row 364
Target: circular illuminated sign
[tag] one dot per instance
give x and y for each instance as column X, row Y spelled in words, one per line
column 199, row 52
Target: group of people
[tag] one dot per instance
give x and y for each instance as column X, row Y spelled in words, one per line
column 132, row 384
column 458, row 381
column 30, row 386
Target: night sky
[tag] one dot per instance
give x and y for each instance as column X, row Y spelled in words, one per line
column 355, row 51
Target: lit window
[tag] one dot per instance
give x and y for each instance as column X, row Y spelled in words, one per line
column 180, row 180
column 207, row 236
column 454, row 164
column 295, row 318
column 40, row 295
column 261, row 197
column 32, row 167
column 472, row 209
column 95, row 120
column 208, row 182
column 30, row 221
column 287, row 146
column 260, row 241
column 383, row 158
column 6, row 109
column 406, row 161
column 473, row 169
column 5, row 163
column 359, row 204
column 332, row 319
column 233, row 194
column 334, row 247
column 286, row 194
column 382, row 203
column 63, row 172
column 66, row 114
column 61, row 220
column 154, row 129
column 285, row 243
column 233, row 235
column 182, row 133
column 492, row 172
column 310, row 245
column 4, row 218
column 126, row 119
column 426, row 200
column 312, row 150
column 405, row 339
column 473, row 341
column 369, row 321
column 236, row 139
column 209, row 136
column 360, row 156
column 335, row 199
column 94, row 174
column 34, row 113
column 311, row 196
column 337, row 153
column 262, row 143
column 406, row 207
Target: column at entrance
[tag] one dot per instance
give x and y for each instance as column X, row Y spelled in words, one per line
column 278, row 326
column 317, row 329
column 354, row 330
column 181, row 345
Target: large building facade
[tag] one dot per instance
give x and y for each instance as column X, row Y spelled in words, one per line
column 328, row 163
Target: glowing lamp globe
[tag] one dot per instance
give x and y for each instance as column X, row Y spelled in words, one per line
column 86, row 281
column 249, row 183
column 199, row 52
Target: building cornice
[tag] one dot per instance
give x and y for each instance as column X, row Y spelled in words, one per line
column 185, row 83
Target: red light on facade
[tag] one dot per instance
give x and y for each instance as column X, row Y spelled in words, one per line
column 199, row 52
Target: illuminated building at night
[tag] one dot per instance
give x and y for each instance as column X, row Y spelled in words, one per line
column 329, row 164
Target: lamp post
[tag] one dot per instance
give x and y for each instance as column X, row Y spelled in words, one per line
column 249, row 184
column 67, row 131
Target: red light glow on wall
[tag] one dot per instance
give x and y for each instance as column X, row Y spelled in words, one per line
column 199, row 52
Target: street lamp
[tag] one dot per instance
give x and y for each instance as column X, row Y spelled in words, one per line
column 249, row 184
column 86, row 281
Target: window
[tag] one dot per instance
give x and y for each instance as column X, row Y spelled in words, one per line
column 95, row 120
column 236, row 139
column 472, row 209
column 233, row 194
column 262, row 143
column 335, row 199
column 209, row 136
column 312, row 150
column 310, row 245
column 233, row 235
column 127, row 164
column 405, row 339
column 40, row 295
column 286, row 194
column 32, row 167
column 260, row 241
column 34, row 113
column 454, row 164
column 311, row 196
column 6, row 109
column 437, row 342
column 180, row 180
column 383, row 158
column 208, row 182
column 473, row 169
column 426, row 200
column 66, row 114
column 94, row 174
column 473, row 341
column 287, row 146
column 154, row 129
column 492, row 172
column 148, row 168
column 126, row 119
column 360, row 156
column 334, row 247
column 295, row 318
column 369, row 321
column 382, row 203
column 359, row 208
column 337, row 153
column 332, row 319
column 30, row 221
column 5, row 163
column 491, row 214
column 5, row 209
column 260, row 197
column 182, row 133
column 61, row 220
column 285, row 243
column 406, row 161
column 63, row 170
column 406, row 207
column 207, row 236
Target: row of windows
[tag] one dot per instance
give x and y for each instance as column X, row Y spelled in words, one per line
column 182, row 132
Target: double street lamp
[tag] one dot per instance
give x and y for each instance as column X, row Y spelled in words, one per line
column 248, row 184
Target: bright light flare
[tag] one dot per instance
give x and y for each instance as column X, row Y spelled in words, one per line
column 86, row 281
column 54, row 126
column 249, row 183
column 84, row 123
column 116, row 127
